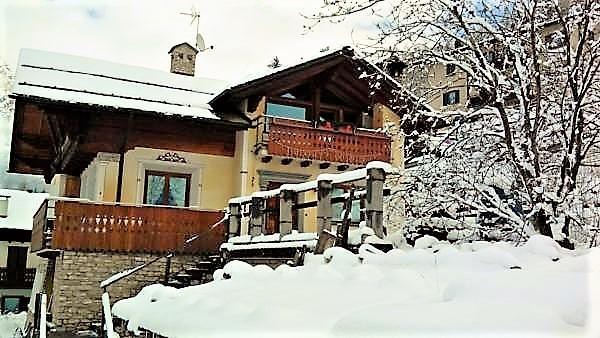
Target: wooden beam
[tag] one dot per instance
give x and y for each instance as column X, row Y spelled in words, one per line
column 342, row 167
column 324, row 165
column 305, row 164
column 374, row 206
column 324, row 190
column 286, row 202
column 286, row 161
column 316, row 103
column 257, row 223
column 122, row 151
column 66, row 151
column 55, row 137
column 308, row 104
column 266, row 159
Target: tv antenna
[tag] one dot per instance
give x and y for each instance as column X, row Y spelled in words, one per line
column 195, row 15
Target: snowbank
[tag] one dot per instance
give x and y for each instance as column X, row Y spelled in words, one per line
column 438, row 290
column 11, row 323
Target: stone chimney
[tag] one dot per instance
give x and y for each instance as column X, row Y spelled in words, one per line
column 183, row 59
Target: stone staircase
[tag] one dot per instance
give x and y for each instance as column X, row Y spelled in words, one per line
column 201, row 272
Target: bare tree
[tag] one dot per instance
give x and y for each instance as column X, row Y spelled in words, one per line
column 535, row 65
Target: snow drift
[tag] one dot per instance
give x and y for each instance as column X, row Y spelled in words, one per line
column 439, row 290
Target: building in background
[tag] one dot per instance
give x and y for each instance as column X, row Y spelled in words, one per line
column 17, row 263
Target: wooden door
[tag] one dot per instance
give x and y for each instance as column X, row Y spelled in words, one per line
column 16, row 263
column 272, row 211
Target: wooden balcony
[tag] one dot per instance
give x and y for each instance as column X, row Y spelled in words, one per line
column 22, row 279
column 298, row 139
column 101, row 227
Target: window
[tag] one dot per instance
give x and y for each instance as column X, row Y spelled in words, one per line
column 338, row 208
column 163, row 188
column 450, row 69
column 451, row 97
column 285, row 111
column 14, row 304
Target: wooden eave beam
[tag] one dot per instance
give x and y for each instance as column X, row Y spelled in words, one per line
column 345, row 96
column 284, row 82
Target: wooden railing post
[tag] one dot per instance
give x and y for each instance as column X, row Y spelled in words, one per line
column 374, row 207
column 257, row 224
column 286, row 202
column 235, row 219
column 324, row 189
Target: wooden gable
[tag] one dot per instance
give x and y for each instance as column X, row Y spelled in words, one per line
column 335, row 80
column 50, row 138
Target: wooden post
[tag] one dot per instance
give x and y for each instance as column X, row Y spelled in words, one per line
column 316, row 103
column 324, row 189
column 36, row 315
column 286, row 202
column 374, row 207
column 122, row 151
column 342, row 230
column 167, row 269
column 257, row 224
column 235, row 219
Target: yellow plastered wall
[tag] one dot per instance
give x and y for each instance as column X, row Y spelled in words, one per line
column 212, row 183
column 384, row 117
column 110, row 182
column 255, row 166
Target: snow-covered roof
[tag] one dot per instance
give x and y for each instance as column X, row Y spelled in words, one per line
column 22, row 206
column 261, row 72
column 75, row 79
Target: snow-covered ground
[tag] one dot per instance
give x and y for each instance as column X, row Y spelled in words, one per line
column 434, row 290
column 11, row 323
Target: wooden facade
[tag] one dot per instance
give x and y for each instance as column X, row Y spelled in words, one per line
column 51, row 138
column 101, row 227
column 298, row 139
column 335, row 126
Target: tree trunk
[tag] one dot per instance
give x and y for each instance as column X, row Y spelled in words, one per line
column 566, row 243
column 540, row 223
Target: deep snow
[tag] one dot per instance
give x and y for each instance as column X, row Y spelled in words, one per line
column 437, row 290
column 10, row 323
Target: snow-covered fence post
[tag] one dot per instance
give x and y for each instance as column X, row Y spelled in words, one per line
column 43, row 323
column 286, row 202
column 374, row 207
column 256, row 217
column 235, row 219
column 324, row 189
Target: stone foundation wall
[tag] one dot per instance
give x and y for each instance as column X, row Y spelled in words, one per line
column 76, row 296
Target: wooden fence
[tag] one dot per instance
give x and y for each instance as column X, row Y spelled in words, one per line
column 86, row 226
column 38, row 241
column 300, row 140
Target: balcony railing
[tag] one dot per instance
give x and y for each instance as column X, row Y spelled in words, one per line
column 103, row 227
column 22, row 279
column 298, row 139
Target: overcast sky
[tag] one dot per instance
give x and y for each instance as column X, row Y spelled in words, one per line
column 246, row 33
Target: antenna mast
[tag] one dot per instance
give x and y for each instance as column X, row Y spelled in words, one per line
column 195, row 15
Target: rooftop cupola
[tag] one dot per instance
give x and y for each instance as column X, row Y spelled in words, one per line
column 183, row 59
